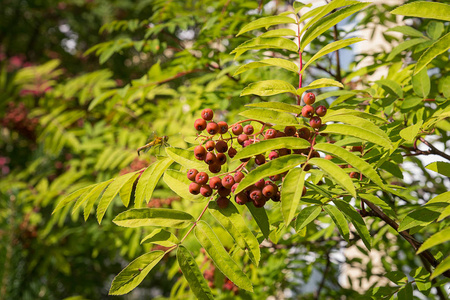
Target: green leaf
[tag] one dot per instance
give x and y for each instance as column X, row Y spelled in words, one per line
column 273, row 167
column 306, row 216
column 260, row 216
column 291, row 193
column 436, row 239
column 435, row 29
column 298, row 5
column 161, row 237
column 411, row 102
column 211, row 243
column 441, row 268
column 350, row 112
column 409, row 44
column 424, row 9
column 422, row 216
column 148, row 180
column 422, row 278
column 440, row 46
column 279, row 32
column 358, row 163
column 266, row 22
column 72, row 197
column 336, row 173
column 186, row 158
column 421, row 83
column 179, row 183
column 330, row 48
column 270, row 116
column 279, row 106
column 325, row 23
column 319, row 83
column 91, row 196
column 397, row 277
column 338, row 219
column 109, row 194
column 268, row 145
column 193, row 275
column 92, row 199
column 266, row 43
column 391, row 87
column 268, row 88
column 360, row 133
column 357, row 221
column 232, row 221
column 440, row 167
column 410, row 132
column 162, row 217
column 135, row 272
column 356, row 121
column 406, row 30
column 127, row 189
column 278, row 62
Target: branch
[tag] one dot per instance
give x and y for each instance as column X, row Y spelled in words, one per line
column 434, row 150
column 338, row 61
column 324, row 277
column 409, row 238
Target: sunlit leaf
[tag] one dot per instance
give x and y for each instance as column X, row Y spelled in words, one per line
column 357, row 221
column 360, row 133
column 438, row 238
column 161, row 237
column 270, row 144
column 270, row 116
column 268, row 88
column 266, row 22
column 291, row 193
column 278, row 62
column 338, row 219
column 306, row 216
column 163, row 217
column 424, row 9
column 335, row 173
column 440, row 46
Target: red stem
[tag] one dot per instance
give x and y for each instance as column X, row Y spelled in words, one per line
column 300, row 76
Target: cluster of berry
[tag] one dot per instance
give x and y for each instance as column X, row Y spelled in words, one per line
column 16, row 118
column 308, row 111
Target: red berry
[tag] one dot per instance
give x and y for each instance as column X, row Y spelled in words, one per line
column 273, row 155
column 221, row 158
column 221, row 146
column 290, row 130
column 207, row 114
column 280, row 134
column 248, row 129
column 309, row 98
column 215, row 168
column 209, row 145
column 238, row 176
column 191, row 174
column 357, row 149
column 315, row 122
column 270, row 134
column 284, row 151
column 260, row 159
column 269, row 190
column 276, row 197
column 321, row 111
column 223, row 191
column 237, row 129
column 194, row 188
column 241, row 198
column 304, row 191
column 256, row 194
column 307, row 167
column 275, row 177
column 210, row 158
column 247, row 143
column 200, row 124
column 242, row 138
column 328, row 157
column 215, row 182
column 304, row 133
column 260, row 183
column 354, row 175
column 307, row 111
column 206, row 191
column 232, row 152
column 315, row 154
column 222, row 202
column 234, row 187
column 200, row 152
column 212, row 128
column 228, row 181
column 223, row 127
column 201, row 178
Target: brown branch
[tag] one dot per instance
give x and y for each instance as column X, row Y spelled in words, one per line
column 338, row 61
column 324, row 277
column 409, row 238
column 434, row 150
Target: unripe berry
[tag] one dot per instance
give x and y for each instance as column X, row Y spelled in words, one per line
column 200, row 124
column 237, row 129
column 304, row 133
column 194, row 188
column 201, row 178
column 221, row 146
column 270, row 134
column 223, row 127
column 241, row 198
column 309, row 98
column 307, row 111
column 215, row 182
column 214, row 168
column 209, row 145
column 315, row 122
column 290, row 130
column 200, row 152
column 321, row 111
column 232, row 152
column 210, row 158
column 206, row 191
column 242, row 138
column 273, row 155
column 248, row 129
column 238, row 176
column 191, row 174
column 260, row 159
column 223, row 191
column 228, row 181
column 207, row 114
column 212, row 128
column 222, row 202
column 221, row 158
